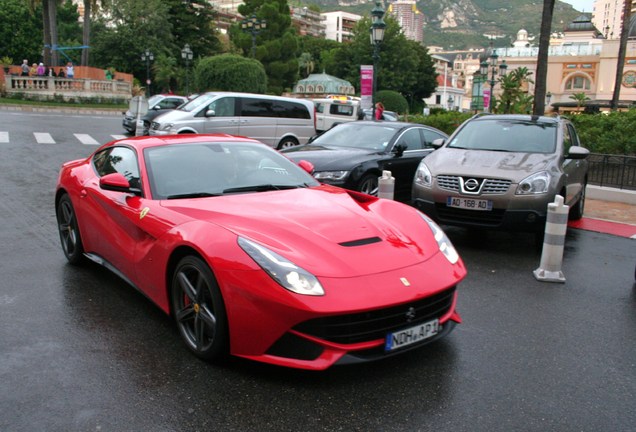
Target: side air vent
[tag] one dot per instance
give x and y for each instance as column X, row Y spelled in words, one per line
column 361, row 242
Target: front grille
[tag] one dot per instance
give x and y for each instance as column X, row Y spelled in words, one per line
column 452, row 215
column 489, row 186
column 376, row 324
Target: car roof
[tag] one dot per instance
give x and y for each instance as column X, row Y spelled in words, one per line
column 390, row 124
column 143, row 142
column 525, row 117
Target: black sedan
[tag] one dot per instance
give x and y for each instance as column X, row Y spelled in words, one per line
column 354, row 154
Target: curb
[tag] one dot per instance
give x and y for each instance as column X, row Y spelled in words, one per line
column 611, row 194
column 63, row 110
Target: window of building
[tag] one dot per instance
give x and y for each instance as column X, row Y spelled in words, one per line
column 578, row 83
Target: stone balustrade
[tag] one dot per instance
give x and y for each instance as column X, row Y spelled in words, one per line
column 48, row 88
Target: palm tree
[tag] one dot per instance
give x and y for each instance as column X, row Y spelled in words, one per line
column 542, row 58
column 49, row 27
column 580, row 99
column 621, row 55
column 89, row 5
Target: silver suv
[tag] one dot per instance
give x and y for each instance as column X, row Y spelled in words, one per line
column 502, row 171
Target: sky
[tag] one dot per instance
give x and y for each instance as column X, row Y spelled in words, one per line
column 581, row 5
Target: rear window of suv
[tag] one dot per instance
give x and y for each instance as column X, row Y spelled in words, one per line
column 507, row 135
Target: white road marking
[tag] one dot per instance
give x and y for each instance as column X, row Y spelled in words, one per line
column 86, row 139
column 4, row 137
column 118, row 137
column 43, row 138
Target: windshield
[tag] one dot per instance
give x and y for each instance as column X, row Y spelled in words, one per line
column 213, row 169
column 197, row 102
column 357, row 134
column 507, row 135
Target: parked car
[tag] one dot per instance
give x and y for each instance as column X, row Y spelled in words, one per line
column 255, row 258
column 502, row 171
column 333, row 111
column 277, row 121
column 157, row 104
column 354, row 154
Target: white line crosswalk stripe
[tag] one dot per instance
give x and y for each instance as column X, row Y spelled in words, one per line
column 86, row 139
column 118, row 137
column 4, row 137
column 43, row 138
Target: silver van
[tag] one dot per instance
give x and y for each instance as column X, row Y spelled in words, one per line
column 277, row 121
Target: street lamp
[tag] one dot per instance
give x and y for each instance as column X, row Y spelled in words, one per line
column 377, row 36
column 186, row 54
column 492, row 65
column 147, row 56
column 254, row 26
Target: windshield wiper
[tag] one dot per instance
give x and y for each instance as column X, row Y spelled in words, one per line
column 262, row 188
column 193, row 195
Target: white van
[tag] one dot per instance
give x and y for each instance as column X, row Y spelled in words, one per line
column 277, row 121
column 330, row 112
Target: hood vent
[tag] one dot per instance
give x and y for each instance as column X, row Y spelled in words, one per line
column 361, row 242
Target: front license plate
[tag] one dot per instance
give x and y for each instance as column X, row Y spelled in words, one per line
column 411, row 335
column 469, row 203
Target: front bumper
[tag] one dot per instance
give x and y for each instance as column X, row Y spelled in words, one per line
column 347, row 325
column 497, row 218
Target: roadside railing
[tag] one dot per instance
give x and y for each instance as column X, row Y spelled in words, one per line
column 51, row 87
column 612, row 171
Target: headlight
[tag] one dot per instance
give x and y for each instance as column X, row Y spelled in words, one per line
column 283, row 271
column 166, row 126
column 331, row 175
column 535, row 184
column 445, row 245
column 423, row 175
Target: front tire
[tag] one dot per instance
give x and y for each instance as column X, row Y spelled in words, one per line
column 287, row 142
column 69, row 231
column 369, row 184
column 199, row 310
column 576, row 212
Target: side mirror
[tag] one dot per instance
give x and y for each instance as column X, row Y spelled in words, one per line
column 577, row 152
column 306, row 166
column 438, row 143
column 210, row 113
column 156, row 108
column 116, row 182
column 398, row 150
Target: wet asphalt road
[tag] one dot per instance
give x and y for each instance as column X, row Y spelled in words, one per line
column 80, row 350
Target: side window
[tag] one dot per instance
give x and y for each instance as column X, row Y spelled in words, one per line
column 256, row 108
column 288, row 109
column 320, row 108
column 430, row 136
column 567, row 139
column 411, row 139
column 341, row 110
column 223, row 107
column 574, row 137
column 118, row 160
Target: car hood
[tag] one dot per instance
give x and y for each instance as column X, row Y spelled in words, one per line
column 325, row 157
column 326, row 230
column 493, row 164
column 174, row 115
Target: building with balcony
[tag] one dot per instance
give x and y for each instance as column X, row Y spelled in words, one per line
column 411, row 20
column 308, row 22
column 339, row 25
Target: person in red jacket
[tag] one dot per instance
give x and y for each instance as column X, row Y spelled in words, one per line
column 379, row 111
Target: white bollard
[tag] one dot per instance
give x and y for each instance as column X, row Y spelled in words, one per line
column 386, row 185
column 552, row 255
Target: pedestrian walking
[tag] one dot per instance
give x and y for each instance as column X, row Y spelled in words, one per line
column 40, row 69
column 33, row 71
column 379, row 111
column 61, row 73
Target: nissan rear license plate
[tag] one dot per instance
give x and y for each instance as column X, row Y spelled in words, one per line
column 469, row 203
column 411, row 335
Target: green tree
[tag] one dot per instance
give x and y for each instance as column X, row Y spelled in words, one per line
column 20, row 32
column 193, row 24
column 404, row 66
column 230, row 72
column 320, row 50
column 392, row 101
column 514, row 98
column 580, row 99
column 276, row 45
column 132, row 27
